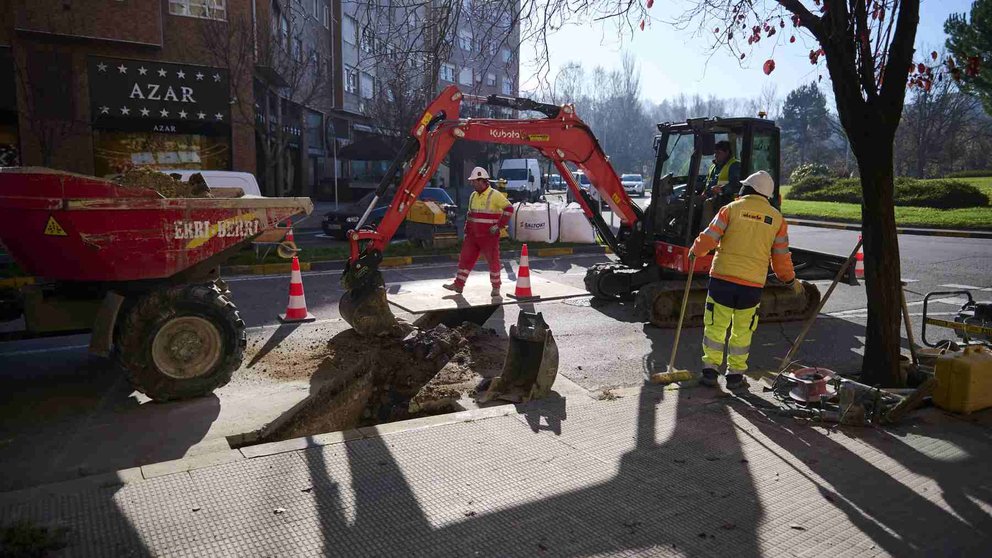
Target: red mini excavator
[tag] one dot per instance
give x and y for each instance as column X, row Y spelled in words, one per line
column 651, row 245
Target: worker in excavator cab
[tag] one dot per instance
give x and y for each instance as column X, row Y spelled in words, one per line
column 488, row 212
column 745, row 233
column 723, row 181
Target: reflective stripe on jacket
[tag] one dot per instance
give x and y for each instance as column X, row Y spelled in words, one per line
column 485, row 210
column 746, row 234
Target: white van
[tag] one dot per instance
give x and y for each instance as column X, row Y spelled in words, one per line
column 223, row 179
column 523, row 179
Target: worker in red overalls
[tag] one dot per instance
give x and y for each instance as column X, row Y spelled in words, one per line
column 488, row 212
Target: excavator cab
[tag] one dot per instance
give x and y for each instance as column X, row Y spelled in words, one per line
column 684, row 155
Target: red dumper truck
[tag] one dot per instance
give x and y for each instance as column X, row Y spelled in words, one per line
column 136, row 270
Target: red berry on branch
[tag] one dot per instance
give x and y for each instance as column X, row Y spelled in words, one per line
column 769, row 66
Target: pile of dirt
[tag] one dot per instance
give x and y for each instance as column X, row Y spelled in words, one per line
column 168, row 185
column 363, row 381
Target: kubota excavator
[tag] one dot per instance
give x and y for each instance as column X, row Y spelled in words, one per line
column 652, row 245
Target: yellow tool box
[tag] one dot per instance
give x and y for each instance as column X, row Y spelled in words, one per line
column 964, row 380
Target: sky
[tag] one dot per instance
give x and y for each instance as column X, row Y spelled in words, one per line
column 673, row 61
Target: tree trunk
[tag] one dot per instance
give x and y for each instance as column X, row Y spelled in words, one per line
column 882, row 265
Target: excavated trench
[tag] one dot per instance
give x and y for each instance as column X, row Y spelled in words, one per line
column 360, row 381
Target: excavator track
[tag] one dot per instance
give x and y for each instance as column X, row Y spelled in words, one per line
column 660, row 303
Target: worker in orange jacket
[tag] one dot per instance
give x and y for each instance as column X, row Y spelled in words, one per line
column 745, row 233
column 488, row 212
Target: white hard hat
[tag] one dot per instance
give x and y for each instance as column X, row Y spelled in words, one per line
column 762, row 182
column 477, row 173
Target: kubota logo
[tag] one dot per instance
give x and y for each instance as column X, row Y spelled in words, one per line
column 505, row 134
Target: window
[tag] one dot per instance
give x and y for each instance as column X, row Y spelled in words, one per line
column 298, row 49
column 315, row 129
column 507, row 86
column 465, row 40
column 315, row 62
column 350, row 79
column 349, row 30
column 208, row 9
column 368, row 40
column 465, row 76
column 281, row 25
column 505, row 54
column 491, row 80
column 327, row 17
column 448, row 72
column 368, row 85
column 316, row 9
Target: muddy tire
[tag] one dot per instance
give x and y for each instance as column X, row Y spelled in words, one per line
column 181, row 342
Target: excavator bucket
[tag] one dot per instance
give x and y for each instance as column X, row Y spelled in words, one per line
column 531, row 364
column 366, row 310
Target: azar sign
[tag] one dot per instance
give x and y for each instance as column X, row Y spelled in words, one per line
column 149, row 96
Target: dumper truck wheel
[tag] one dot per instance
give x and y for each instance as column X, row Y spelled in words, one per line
column 181, row 342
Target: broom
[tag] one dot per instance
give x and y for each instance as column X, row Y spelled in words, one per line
column 672, row 374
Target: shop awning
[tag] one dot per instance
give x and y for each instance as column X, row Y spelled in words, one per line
column 371, row 148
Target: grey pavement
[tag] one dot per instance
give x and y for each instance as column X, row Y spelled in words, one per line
column 652, row 473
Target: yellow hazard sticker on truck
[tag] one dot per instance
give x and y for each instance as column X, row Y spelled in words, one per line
column 539, row 137
column 427, row 118
column 53, row 228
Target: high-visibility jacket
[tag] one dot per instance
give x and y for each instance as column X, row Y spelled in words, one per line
column 746, row 234
column 485, row 210
column 723, row 178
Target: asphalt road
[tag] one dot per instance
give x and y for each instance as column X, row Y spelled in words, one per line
column 63, row 412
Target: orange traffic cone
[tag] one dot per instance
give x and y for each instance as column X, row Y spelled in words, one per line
column 287, row 248
column 523, row 277
column 859, row 262
column 296, row 309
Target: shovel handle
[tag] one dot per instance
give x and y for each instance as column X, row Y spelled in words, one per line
column 685, row 302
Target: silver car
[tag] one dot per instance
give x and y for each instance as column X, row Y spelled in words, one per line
column 633, row 184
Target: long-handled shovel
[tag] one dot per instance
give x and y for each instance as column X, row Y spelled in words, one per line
column 672, row 374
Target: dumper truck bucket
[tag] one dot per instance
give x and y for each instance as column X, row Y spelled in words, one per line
column 531, row 362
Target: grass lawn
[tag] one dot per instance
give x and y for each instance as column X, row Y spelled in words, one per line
column 970, row 218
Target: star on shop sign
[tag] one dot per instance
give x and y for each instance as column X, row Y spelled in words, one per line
column 125, row 111
column 181, row 74
column 182, row 114
column 122, row 69
column 201, row 115
column 144, row 111
column 219, row 116
column 164, row 113
column 199, row 76
column 104, row 110
column 216, row 77
column 101, row 67
column 161, row 73
column 142, row 70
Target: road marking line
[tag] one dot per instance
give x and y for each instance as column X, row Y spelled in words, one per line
column 961, row 287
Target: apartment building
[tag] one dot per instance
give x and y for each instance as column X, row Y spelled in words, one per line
column 93, row 86
column 396, row 56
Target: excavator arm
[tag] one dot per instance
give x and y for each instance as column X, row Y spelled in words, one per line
column 562, row 137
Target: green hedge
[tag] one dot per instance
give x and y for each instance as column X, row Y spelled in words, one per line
column 939, row 193
column 970, row 174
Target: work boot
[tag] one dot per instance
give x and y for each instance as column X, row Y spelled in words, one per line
column 495, row 292
column 736, row 382
column 453, row 287
column 709, row 377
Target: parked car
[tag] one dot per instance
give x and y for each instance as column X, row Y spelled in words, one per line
column 523, row 179
column 633, row 184
column 338, row 222
column 554, row 182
